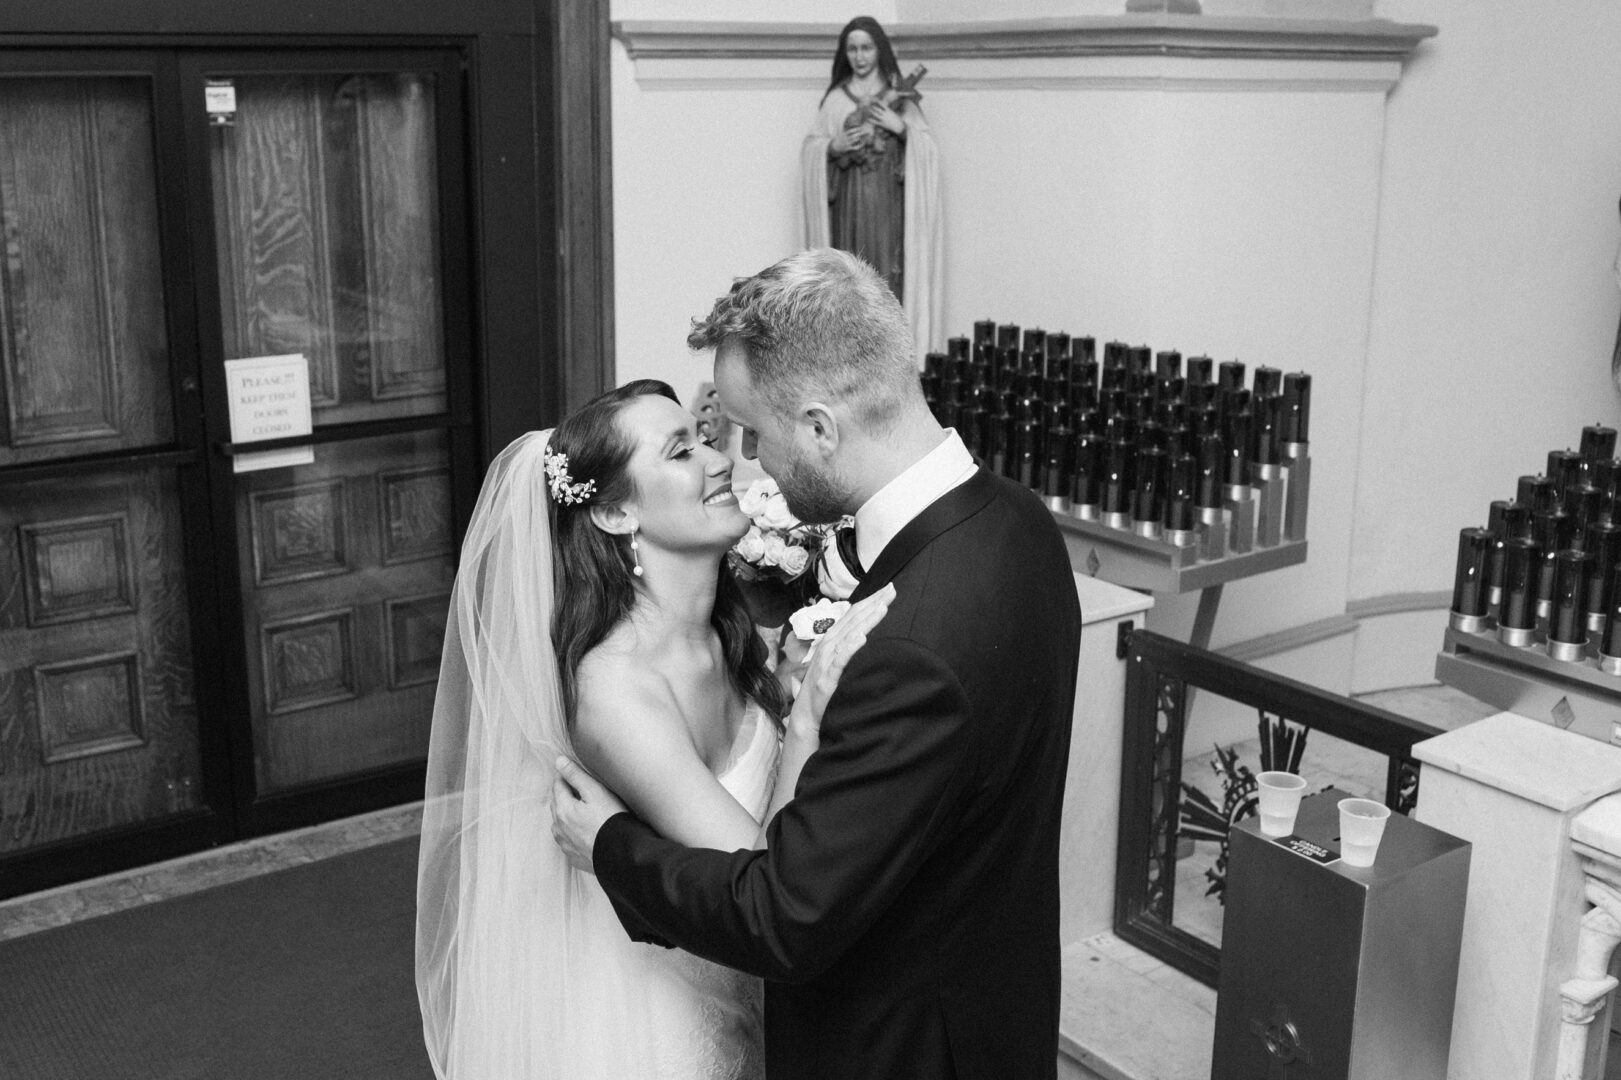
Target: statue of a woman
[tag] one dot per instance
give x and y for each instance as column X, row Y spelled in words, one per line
column 870, row 176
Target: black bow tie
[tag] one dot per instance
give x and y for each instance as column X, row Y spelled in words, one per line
column 845, row 541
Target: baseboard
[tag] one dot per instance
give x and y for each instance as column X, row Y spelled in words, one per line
column 1395, row 640
column 1398, row 604
column 1295, row 637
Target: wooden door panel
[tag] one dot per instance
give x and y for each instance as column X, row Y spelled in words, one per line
column 83, row 348
column 346, row 573
column 98, row 724
column 327, row 220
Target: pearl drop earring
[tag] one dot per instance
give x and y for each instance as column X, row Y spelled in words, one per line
column 634, row 554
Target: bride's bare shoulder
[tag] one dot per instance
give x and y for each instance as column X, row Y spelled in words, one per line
column 620, row 701
column 616, row 664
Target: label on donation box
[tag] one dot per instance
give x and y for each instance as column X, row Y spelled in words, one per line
column 270, row 399
column 1306, row 849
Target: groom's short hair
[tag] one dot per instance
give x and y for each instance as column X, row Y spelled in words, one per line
column 819, row 323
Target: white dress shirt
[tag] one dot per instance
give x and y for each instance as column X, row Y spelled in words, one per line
column 895, row 504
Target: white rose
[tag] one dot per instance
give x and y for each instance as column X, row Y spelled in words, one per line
column 775, row 547
column 810, row 623
column 751, row 548
column 794, row 560
column 776, row 515
column 754, row 499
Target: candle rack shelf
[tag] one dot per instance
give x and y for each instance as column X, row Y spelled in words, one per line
column 1125, row 558
column 1574, row 695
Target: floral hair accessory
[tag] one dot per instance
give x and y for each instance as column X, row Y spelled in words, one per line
column 564, row 490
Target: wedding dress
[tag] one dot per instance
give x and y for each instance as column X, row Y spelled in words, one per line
column 709, row 1017
column 523, row 970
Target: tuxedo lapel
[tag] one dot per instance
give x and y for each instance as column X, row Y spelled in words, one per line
column 945, row 512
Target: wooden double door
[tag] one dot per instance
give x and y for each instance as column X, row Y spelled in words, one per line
column 190, row 651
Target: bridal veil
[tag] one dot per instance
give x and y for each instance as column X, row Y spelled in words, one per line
column 523, row 971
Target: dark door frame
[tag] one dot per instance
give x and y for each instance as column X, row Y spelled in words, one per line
column 540, row 210
column 539, row 91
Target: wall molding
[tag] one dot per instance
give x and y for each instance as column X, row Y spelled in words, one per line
column 1310, row 633
column 1294, row 637
column 1131, row 34
column 1399, row 604
column 1122, row 72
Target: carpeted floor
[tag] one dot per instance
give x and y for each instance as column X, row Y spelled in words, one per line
column 303, row 973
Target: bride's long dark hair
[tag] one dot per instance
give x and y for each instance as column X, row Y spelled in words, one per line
column 594, row 585
column 887, row 65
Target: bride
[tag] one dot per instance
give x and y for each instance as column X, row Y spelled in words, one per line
column 593, row 616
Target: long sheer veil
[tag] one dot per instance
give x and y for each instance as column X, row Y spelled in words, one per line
column 522, row 970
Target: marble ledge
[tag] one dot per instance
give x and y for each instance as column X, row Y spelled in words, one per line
column 1599, row 827
column 1533, row 760
column 1102, row 601
column 1127, row 1016
column 1131, row 34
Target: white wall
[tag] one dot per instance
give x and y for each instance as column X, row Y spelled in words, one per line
column 701, row 179
column 1440, row 261
column 1495, row 302
column 1219, row 206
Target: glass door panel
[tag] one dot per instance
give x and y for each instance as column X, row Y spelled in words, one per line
column 346, row 573
column 98, row 724
column 327, row 217
column 83, row 348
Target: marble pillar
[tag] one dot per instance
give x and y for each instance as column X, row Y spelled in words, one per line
column 1589, row 992
column 1089, row 838
column 1512, row 786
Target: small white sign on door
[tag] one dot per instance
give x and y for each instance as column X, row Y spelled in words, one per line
column 219, row 99
column 270, row 399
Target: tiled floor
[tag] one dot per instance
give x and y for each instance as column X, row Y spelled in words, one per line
column 143, row 885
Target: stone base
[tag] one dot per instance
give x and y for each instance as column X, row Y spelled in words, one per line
column 1127, row 1016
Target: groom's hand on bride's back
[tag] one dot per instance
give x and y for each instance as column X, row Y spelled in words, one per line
column 580, row 805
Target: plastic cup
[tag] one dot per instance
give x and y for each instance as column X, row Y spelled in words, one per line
column 1279, row 796
column 1362, row 823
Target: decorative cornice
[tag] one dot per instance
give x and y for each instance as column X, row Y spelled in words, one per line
column 1134, row 34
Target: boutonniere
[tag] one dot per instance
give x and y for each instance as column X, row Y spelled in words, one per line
column 811, row 622
column 834, row 579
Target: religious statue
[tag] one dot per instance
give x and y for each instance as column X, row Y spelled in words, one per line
column 871, row 180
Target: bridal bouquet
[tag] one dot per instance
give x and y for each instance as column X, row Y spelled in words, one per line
column 776, row 560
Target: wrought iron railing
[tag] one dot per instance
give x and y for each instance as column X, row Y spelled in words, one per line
column 1161, row 814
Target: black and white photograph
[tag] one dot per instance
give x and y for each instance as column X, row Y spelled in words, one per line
column 749, row 540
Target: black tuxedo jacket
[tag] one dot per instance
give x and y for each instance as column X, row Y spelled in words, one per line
column 906, row 910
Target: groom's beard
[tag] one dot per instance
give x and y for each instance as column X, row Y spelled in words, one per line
column 813, row 495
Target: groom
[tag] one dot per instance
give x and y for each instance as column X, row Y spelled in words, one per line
column 905, row 912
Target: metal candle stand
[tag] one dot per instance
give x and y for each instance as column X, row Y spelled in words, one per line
column 1535, row 625
column 1161, row 479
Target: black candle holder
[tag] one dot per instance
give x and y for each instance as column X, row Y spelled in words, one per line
column 1185, row 474
column 1551, row 559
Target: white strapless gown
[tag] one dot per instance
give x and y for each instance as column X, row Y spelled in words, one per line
column 706, row 1019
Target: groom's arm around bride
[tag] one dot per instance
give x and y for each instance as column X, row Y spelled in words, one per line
column 905, row 909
